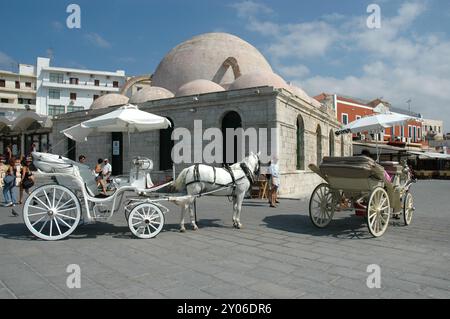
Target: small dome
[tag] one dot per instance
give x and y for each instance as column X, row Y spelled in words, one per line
column 315, row 103
column 300, row 93
column 203, row 57
column 149, row 94
column 255, row 79
column 198, row 87
column 304, row 96
column 107, row 100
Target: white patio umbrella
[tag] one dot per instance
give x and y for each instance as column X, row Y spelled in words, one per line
column 127, row 118
column 375, row 124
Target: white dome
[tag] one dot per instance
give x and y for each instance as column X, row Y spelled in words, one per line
column 198, row 87
column 107, row 100
column 255, row 79
column 149, row 94
column 203, row 56
column 303, row 95
column 300, row 93
column 315, row 103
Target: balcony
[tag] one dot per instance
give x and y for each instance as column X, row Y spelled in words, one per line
column 81, row 86
column 22, row 89
column 12, row 106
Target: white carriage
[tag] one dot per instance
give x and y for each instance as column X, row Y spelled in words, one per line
column 54, row 210
column 361, row 183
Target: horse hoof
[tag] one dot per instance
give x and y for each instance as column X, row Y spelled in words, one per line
column 194, row 227
column 237, row 225
column 182, row 230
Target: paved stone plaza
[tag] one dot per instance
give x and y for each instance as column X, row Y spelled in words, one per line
column 278, row 254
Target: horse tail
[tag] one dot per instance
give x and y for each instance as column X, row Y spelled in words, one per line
column 180, row 182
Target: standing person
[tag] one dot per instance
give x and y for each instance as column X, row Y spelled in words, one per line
column 33, row 148
column 8, row 154
column 27, row 180
column 269, row 181
column 275, row 181
column 9, row 185
column 3, row 169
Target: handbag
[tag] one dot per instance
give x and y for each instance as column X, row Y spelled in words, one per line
column 8, row 179
column 27, row 183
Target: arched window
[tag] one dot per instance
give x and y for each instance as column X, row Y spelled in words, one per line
column 231, row 120
column 331, row 143
column 342, row 146
column 165, row 147
column 319, row 144
column 300, row 144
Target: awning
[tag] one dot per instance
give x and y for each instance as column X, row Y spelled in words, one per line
column 430, row 155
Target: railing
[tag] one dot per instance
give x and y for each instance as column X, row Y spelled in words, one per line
column 83, row 83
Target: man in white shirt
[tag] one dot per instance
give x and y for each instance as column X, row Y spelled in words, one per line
column 107, row 169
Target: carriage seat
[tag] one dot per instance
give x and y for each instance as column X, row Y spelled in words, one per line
column 352, row 167
column 392, row 168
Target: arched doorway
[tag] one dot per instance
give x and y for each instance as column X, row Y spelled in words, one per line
column 331, row 143
column 232, row 120
column 300, row 143
column 165, row 147
column 319, row 144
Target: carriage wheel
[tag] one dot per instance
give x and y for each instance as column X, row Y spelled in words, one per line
column 322, row 206
column 378, row 212
column 52, row 212
column 146, row 220
column 408, row 208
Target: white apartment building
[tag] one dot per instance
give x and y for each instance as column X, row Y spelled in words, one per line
column 62, row 90
column 17, row 91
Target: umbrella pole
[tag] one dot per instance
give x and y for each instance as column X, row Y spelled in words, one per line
column 378, row 155
column 129, row 142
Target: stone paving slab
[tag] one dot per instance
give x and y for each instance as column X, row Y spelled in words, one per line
column 278, row 254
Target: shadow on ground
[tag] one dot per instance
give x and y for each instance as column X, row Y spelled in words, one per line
column 348, row 227
column 18, row 230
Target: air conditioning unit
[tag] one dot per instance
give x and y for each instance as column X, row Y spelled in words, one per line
column 68, row 73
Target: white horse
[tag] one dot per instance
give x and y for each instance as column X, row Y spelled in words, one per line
column 200, row 179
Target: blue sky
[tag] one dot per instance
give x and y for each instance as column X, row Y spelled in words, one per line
column 321, row 45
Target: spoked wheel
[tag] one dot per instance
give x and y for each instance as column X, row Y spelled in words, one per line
column 378, row 212
column 408, row 208
column 52, row 212
column 146, row 220
column 322, row 205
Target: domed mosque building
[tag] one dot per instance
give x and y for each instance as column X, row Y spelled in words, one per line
column 225, row 82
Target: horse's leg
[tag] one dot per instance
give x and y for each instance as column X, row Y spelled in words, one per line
column 239, row 200
column 234, row 212
column 191, row 212
column 183, row 211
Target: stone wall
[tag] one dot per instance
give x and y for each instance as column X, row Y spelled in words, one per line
column 296, row 182
column 258, row 107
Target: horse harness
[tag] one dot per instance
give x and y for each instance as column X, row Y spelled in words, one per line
column 247, row 173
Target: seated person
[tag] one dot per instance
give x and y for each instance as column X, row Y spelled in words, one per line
column 99, row 175
column 106, row 171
